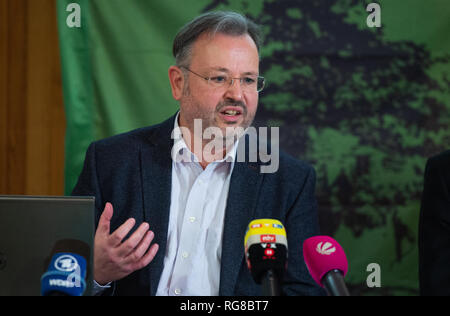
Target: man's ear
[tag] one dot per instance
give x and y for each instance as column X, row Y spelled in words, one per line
column 176, row 79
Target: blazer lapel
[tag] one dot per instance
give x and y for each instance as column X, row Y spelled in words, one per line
column 241, row 203
column 156, row 167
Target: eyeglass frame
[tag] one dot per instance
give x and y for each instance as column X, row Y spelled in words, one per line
column 232, row 79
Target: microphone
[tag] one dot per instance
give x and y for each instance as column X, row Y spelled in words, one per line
column 327, row 264
column 65, row 275
column 266, row 254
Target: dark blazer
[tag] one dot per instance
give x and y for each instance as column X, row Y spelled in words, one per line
column 434, row 228
column 133, row 172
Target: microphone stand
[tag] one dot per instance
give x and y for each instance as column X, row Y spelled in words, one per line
column 270, row 284
column 334, row 283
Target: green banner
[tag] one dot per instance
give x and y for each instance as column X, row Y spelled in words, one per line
column 360, row 89
column 115, row 68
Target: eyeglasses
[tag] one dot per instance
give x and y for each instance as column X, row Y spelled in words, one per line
column 248, row 83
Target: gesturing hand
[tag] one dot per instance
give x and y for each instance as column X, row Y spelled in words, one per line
column 114, row 258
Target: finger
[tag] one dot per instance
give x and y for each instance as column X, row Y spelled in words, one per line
column 149, row 256
column 104, row 223
column 115, row 239
column 128, row 246
column 140, row 249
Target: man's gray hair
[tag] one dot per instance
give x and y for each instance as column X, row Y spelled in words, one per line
column 229, row 23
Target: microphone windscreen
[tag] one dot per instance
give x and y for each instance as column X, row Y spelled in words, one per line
column 265, row 231
column 323, row 254
column 65, row 275
column 265, row 248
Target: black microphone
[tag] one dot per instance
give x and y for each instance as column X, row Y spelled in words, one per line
column 334, row 283
column 327, row 264
column 266, row 254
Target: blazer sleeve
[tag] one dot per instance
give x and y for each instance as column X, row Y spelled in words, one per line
column 434, row 230
column 301, row 223
column 88, row 184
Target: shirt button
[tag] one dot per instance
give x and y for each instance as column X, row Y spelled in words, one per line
column 192, row 219
column 177, row 291
column 185, row 255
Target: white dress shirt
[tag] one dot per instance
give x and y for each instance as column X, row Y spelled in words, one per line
column 197, row 211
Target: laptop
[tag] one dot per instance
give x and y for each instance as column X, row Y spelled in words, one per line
column 33, row 229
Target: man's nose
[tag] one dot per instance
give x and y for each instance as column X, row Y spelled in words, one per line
column 234, row 90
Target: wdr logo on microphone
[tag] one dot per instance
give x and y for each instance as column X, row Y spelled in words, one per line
column 63, row 283
column 325, row 249
column 67, row 264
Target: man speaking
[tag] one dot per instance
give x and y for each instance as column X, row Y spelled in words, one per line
column 172, row 211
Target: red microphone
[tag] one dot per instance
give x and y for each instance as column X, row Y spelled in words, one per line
column 327, row 264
